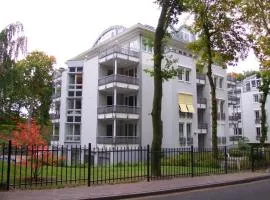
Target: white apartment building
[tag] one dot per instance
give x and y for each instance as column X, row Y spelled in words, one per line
column 245, row 113
column 106, row 95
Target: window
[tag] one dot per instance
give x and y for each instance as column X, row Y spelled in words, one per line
column 253, row 83
column 72, row 79
column 187, row 75
column 147, row 45
column 257, row 114
column 215, row 81
column 70, row 93
column 222, row 106
column 79, row 69
column 188, row 130
column 248, row 87
column 258, row 83
column 78, row 104
column 180, row 74
column 220, row 82
column 77, row 119
column 258, row 131
column 181, row 130
column 256, row 97
column 72, row 69
column 109, row 130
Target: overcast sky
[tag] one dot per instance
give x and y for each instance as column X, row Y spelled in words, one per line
column 65, row 28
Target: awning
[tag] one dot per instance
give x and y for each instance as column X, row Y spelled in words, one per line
column 185, row 102
column 183, row 108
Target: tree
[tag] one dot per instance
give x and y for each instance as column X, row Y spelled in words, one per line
column 170, row 9
column 12, row 44
column 36, row 89
column 221, row 40
column 257, row 14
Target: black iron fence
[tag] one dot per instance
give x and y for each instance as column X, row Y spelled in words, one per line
column 43, row 167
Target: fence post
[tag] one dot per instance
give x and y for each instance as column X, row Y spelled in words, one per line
column 148, row 163
column 252, row 159
column 226, row 160
column 8, row 164
column 89, row 164
column 192, row 161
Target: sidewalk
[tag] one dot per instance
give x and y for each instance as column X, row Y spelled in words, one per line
column 137, row 189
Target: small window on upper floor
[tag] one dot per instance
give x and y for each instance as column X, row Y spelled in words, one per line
column 79, row 69
column 187, row 75
column 221, row 83
column 72, row 69
column 248, row 86
column 256, row 97
column 253, row 83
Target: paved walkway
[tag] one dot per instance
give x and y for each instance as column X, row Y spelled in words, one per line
column 133, row 189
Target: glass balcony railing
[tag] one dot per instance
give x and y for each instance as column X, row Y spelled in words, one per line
column 118, row 78
column 118, row 140
column 118, row 109
column 119, row 49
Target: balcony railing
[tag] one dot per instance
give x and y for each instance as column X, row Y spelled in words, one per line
column 229, row 78
column 189, row 141
column 182, row 141
column 200, row 76
column 202, row 126
column 118, row 140
column 201, row 100
column 235, row 118
column 257, row 120
column 56, row 95
column 118, row 78
column 233, row 98
column 118, row 109
column 55, row 138
column 221, row 116
column 55, row 116
column 72, row 138
column 119, row 49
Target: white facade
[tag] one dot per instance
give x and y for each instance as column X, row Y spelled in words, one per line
column 107, row 96
column 246, row 112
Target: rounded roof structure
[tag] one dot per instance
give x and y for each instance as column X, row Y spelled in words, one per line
column 110, row 32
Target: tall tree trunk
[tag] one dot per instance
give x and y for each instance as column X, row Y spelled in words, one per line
column 263, row 119
column 157, row 99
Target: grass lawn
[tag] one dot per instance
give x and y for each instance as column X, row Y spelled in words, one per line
column 53, row 176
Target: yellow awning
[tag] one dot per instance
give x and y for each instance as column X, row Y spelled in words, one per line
column 190, row 108
column 185, row 102
column 183, row 108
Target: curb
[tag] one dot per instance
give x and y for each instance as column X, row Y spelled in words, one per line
column 176, row 190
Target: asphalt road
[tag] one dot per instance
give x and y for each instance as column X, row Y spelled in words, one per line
column 259, row 190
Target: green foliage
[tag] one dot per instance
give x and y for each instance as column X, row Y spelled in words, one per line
column 200, row 159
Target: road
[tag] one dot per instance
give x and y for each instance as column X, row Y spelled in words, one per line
column 259, row 190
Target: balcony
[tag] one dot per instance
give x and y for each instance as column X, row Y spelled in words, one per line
column 182, row 141
column 189, row 141
column 221, row 116
column 56, row 95
column 118, row 111
column 202, row 128
column 257, row 120
column 118, row 140
column 200, row 78
column 201, row 102
column 55, row 116
column 55, row 138
column 120, row 52
column 73, row 138
column 120, row 81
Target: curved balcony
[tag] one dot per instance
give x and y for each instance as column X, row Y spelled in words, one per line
column 120, row 52
column 118, row 140
column 120, row 81
column 118, row 111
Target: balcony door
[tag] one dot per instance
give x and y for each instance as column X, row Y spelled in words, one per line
column 131, row 101
column 109, row 100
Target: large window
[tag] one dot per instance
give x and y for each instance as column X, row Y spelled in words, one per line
column 73, row 132
column 181, row 130
column 188, row 130
column 257, row 114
